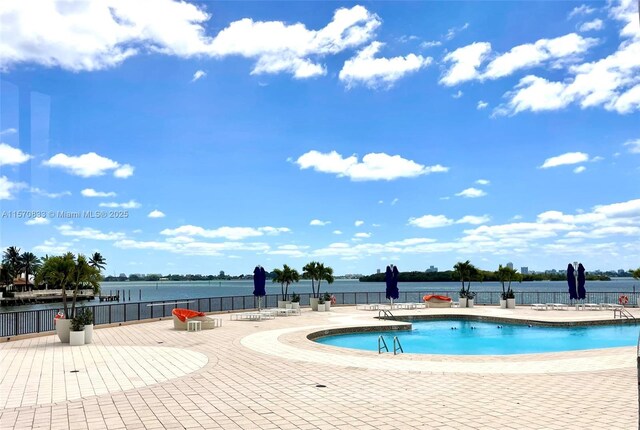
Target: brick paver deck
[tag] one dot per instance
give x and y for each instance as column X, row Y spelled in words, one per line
column 265, row 375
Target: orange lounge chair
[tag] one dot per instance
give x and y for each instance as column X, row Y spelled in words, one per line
column 180, row 317
column 435, row 301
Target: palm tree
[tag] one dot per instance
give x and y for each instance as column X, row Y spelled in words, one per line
column 465, row 271
column 30, row 263
column 285, row 277
column 83, row 275
column 11, row 259
column 57, row 272
column 97, row 261
column 317, row 272
column 635, row 273
column 507, row 274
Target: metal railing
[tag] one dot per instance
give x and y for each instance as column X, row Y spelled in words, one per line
column 41, row 320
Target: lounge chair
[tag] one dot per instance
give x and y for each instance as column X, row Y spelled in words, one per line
column 435, row 301
column 181, row 316
column 539, row 306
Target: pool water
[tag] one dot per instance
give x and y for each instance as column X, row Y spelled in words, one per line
column 457, row 337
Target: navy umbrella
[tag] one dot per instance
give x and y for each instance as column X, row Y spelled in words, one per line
column 582, row 293
column 571, row 279
column 259, row 281
column 391, row 279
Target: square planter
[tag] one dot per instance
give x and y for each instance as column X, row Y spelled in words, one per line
column 313, row 301
column 321, row 307
column 76, row 338
column 503, row 304
column 511, row 303
column 470, row 303
column 88, row 334
column 463, row 302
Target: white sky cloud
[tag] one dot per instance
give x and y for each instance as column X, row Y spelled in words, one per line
column 431, row 221
column 483, row 182
column 579, row 169
column 131, row 204
column 595, row 25
column 373, row 167
column 358, row 223
column 534, row 54
column 581, row 11
column 7, row 188
column 430, row 44
column 379, row 72
column 565, row 159
column 198, row 75
column 473, row 219
column 38, row 221
column 12, row 156
column 156, row 214
column 633, row 146
column 362, row 235
column 8, row 131
column 44, row 193
column 481, row 105
column 230, row 233
column 53, row 247
column 317, row 222
column 90, row 192
column 88, row 165
column 90, row 36
column 337, row 232
column 453, row 31
column 88, row 233
column 471, row 193
column 458, row 95
column 465, row 63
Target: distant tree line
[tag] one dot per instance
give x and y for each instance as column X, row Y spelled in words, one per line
column 451, row 275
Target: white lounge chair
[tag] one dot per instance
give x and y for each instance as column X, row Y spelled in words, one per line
column 539, row 306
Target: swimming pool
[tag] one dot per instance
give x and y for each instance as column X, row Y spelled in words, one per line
column 463, row 337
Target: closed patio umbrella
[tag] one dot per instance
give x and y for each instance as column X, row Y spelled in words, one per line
column 571, row 279
column 582, row 292
column 391, row 279
column 259, row 281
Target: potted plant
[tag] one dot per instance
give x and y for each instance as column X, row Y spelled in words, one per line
column 327, row 301
column 295, row 301
column 317, row 272
column 76, row 336
column 285, row 277
column 463, row 297
column 87, row 317
column 505, row 276
column 321, row 305
column 470, row 298
column 466, row 272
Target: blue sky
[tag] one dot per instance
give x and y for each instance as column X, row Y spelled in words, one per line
column 217, row 136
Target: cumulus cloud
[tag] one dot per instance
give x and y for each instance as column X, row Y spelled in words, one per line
column 581, row 10
column 358, row 223
column 88, row 36
column 565, row 159
column 12, row 156
column 579, row 169
column 231, row 233
column 317, row 222
column 156, row 214
column 483, row 182
column 38, row 221
column 437, row 221
column 7, row 188
column 198, row 75
column 458, row 95
column 373, row 167
column 337, row 232
column 131, row 204
column 471, row 193
column 88, row 233
column 634, row 146
column 379, row 72
column 430, row 44
column 453, row 31
column 473, row 219
column 90, row 192
column 534, row 54
column 595, row 25
column 481, row 105
column 88, row 165
column 51, row 246
column 465, row 62
column 8, row 131
column 612, row 82
column 44, row 193
column 362, row 235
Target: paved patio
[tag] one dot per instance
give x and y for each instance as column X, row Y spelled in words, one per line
column 265, row 375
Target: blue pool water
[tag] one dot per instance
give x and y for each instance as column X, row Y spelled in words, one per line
column 482, row 338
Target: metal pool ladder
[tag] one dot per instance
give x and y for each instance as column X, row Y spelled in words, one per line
column 623, row 314
column 383, row 345
column 385, row 314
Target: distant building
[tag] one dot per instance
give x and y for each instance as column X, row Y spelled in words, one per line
column 432, row 269
column 378, row 271
column 524, row 270
column 510, row 265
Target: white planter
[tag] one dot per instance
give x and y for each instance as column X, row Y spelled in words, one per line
column 322, row 307
column 314, row 303
column 88, row 333
column 76, row 338
column 327, row 306
column 295, row 305
column 463, row 302
column 283, row 303
column 63, row 327
column 470, row 303
column 503, row 304
column 511, row 303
